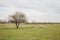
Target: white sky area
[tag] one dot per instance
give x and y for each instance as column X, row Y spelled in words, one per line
column 37, row 10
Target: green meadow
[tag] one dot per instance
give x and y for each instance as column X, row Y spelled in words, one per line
column 27, row 32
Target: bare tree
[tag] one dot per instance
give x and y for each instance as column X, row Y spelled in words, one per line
column 18, row 18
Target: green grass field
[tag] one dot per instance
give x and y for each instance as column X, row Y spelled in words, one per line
column 26, row 32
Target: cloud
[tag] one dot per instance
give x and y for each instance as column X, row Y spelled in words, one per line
column 40, row 5
column 38, row 10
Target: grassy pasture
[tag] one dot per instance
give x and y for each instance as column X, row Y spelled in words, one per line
column 26, row 32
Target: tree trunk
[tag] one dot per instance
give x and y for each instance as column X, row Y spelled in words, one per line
column 17, row 25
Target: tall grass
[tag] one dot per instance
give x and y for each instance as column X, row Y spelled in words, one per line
column 26, row 32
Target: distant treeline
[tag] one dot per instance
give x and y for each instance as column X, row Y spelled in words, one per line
column 45, row 23
column 4, row 22
column 34, row 23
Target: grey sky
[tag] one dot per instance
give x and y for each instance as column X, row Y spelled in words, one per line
column 38, row 10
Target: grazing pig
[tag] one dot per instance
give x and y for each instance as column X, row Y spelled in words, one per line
column 42, row 26
column 32, row 26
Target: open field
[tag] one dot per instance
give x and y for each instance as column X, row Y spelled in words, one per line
column 26, row 32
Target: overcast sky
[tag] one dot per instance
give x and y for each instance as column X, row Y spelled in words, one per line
column 37, row 10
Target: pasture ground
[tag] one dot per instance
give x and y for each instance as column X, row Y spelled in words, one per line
column 26, row 32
